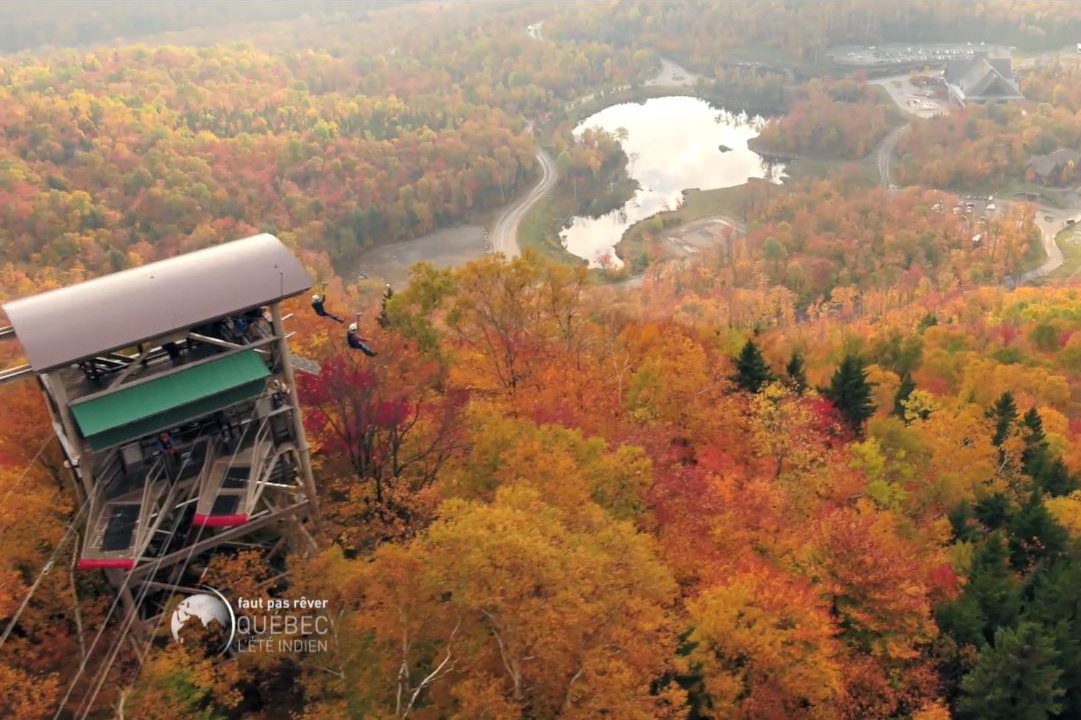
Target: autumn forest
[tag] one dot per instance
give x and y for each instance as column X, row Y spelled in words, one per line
column 827, row 468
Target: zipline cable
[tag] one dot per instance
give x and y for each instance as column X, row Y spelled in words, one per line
column 26, row 472
column 87, row 705
column 112, row 607
column 44, row 571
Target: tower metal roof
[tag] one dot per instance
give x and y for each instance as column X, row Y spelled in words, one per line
column 116, row 311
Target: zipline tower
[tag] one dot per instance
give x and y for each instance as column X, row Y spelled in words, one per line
column 171, row 392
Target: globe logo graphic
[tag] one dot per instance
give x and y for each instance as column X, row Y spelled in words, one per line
column 206, row 608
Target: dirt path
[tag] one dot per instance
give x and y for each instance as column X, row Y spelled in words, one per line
column 688, row 240
column 682, row 237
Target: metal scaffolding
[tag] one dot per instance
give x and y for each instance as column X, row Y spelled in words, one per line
column 171, row 391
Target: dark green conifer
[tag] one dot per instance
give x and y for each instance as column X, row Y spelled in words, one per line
column 991, row 598
column 1016, row 678
column 1047, row 471
column 1033, row 425
column 1004, row 412
column 903, row 393
column 751, row 369
column 1034, row 535
column 794, row 369
column 850, row 393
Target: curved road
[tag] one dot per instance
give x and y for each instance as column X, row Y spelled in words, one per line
column 1048, row 227
column 505, row 232
column 886, row 150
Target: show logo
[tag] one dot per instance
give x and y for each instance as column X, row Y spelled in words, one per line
column 260, row 624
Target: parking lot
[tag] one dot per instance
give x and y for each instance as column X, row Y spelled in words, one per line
column 918, row 101
column 978, row 208
column 900, row 54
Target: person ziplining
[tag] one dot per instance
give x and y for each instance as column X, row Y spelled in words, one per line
column 319, row 305
column 357, row 342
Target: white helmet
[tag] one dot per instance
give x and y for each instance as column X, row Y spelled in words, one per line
column 316, row 298
column 352, row 327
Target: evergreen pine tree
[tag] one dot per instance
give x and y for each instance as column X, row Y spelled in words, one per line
column 1048, row 471
column 1051, row 475
column 963, row 620
column 850, row 393
column 993, row 510
column 1004, row 412
column 1033, row 456
column 961, row 524
column 794, row 370
column 994, row 586
column 1054, row 606
column 1017, row 678
column 1034, row 535
column 1033, row 425
column 903, row 393
column 751, row 369
column 991, row 599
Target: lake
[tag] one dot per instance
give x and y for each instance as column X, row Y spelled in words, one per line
column 673, row 145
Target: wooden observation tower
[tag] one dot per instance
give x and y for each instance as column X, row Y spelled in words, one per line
column 172, row 395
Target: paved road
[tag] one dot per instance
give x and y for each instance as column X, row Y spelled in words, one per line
column 672, row 74
column 886, row 151
column 505, row 231
column 1049, row 229
column 902, row 92
column 1047, row 58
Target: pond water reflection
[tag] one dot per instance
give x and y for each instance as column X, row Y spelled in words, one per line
column 673, row 144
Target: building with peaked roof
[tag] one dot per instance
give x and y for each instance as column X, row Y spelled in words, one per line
column 981, row 79
column 1054, row 168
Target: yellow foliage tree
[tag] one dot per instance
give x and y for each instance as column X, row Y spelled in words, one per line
column 1066, row 511
column 764, row 647
column 568, row 616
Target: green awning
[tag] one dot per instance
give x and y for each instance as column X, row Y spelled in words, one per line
column 170, row 400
